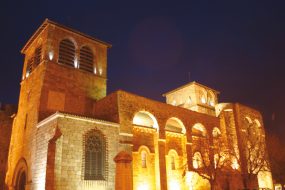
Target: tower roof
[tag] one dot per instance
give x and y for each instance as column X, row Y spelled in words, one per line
column 49, row 22
column 190, row 84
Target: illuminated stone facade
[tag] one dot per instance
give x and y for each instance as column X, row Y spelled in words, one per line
column 68, row 134
column 6, row 119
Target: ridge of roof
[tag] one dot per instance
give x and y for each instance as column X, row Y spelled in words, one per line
column 189, row 84
column 59, row 114
column 49, row 22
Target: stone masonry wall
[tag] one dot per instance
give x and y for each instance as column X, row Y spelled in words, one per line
column 69, row 155
column 6, row 123
column 62, row 167
column 22, row 141
column 128, row 106
column 51, row 87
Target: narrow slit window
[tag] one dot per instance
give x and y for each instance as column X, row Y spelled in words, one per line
column 172, row 162
column 143, row 158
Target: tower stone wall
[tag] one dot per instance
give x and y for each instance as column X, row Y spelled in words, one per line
column 6, row 122
column 48, row 86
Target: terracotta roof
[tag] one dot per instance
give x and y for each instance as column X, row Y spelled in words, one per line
column 49, row 22
column 189, row 84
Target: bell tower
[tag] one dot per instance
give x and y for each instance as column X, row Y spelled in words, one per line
column 67, row 67
column 64, row 70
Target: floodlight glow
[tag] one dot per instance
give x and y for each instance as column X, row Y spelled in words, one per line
column 50, row 55
column 76, row 65
column 235, row 164
column 143, row 186
column 203, row 100
column 174, row 185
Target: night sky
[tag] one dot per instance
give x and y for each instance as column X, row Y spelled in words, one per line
column 236, row 47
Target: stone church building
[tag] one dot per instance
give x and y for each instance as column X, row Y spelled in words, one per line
column 69, row 134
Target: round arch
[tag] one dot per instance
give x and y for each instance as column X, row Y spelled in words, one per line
column 20, row 177
column 144, row 148
column 216, row 132
column 144, row 153
column 199, row 130
column 71, row 39
column 67, row 52
column 257, row 122
column 90, row 46
column 174, row 124
column 173, row 152
column 248, row 120
column 145, row 119
column 197, row 160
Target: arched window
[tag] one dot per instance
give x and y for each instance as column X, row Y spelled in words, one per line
column 257, row 123
column 145, row 119
column 172, row 157
column 216, row 132
column 172, row 162
column 37, row 56
column 95, row 156
column 197, row 160
column 34, row 61
column 251, row 128
column 29, row 67
column 66, row 53
column 86, row 59
column 175, row 125
column 143, row 158
column 248, row 120
column 211, row 98
column 199, row 130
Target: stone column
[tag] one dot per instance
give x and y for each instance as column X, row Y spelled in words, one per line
column 162, row 164
column 189, row 150
column 189, row 155
column 124, row 178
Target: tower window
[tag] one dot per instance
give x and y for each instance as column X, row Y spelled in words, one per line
column 95, row 156
column 86, row 59
column 37, row 58
column 66, row 53
column 29, row 67
column 143, row 157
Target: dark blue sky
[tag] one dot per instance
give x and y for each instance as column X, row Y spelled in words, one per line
column 236, row 47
